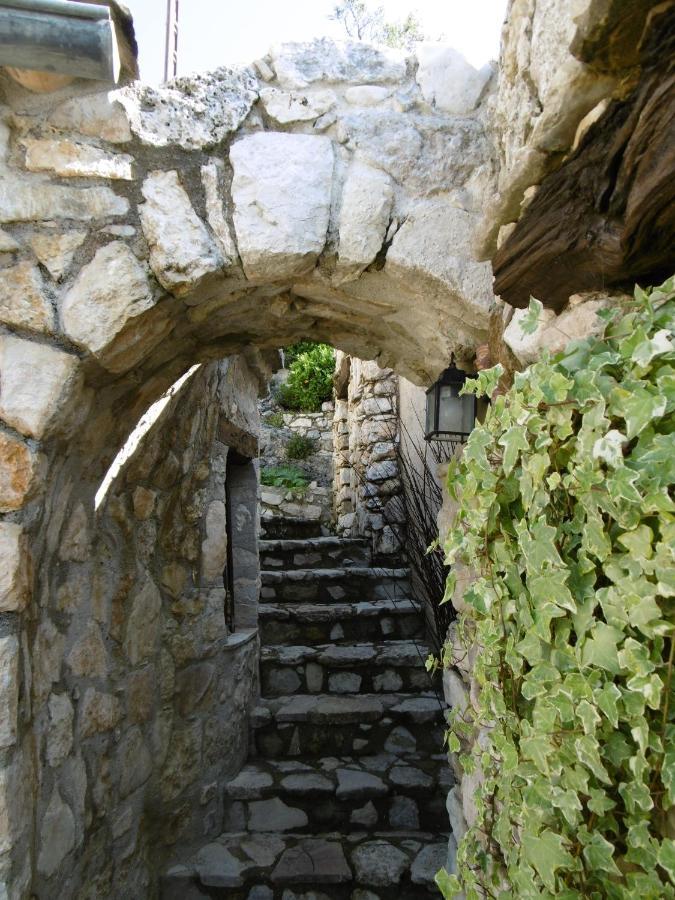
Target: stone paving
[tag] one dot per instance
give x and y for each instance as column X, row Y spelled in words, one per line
column 343, row 797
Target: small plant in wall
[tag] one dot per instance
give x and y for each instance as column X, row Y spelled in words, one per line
column 289, row 477
column 300, row 447
column 274, row 420
column 567, row 512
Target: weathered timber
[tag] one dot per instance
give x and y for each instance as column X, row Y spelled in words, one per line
column 606, row 217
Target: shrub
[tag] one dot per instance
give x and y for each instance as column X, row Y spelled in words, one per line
column 310, row 379
column 274, row 420
column 566, row 512
column 289, row 477
column 299, row 447
column 295, row 350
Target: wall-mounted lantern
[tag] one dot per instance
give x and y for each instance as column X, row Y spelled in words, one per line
column 449, row 417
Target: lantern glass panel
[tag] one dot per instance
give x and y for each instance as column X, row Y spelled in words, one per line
column 431, row 411
column 455, row 413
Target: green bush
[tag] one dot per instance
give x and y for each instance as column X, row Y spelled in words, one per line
column 289, row 477
column 566, row 510
column 295, row 350
column 274, row 420
column 310, row 379
column 299, row 447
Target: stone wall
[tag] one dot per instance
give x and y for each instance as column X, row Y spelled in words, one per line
column 313, row 502
column 367, row 484
column 140, row 693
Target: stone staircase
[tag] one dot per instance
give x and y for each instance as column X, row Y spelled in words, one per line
column 343, row 797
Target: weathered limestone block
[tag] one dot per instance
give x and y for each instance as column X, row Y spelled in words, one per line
column 135, row 762
column 577, row 321
column 60, row 734
column 215, row 215
column 214, row 545
column 182, row 252
column 367, row 95
column 432, row 252
column 57, row 835
column 23, row 301
column 447, row 80
column 367, row 200
column 195, row 112
column 97, row 115
column 19, row 469
column 143, row 624
column 55, row 251
column 14, row 567
column 109, row 291
column 282, row 192
column 34, row 378
column 87, row 657
column 74, row 544
column 298, row 65
column 70, row 159
column 9, row 689
column 31, row 199
column 7, row 243
column 290, row 106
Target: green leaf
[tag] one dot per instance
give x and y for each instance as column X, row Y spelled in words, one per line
column 666, row 857
column 601, row 648
column 599, row 854
column 513, row 441
column 610, row 448
column 530, row 321
column 447, row 884
column 547, row 853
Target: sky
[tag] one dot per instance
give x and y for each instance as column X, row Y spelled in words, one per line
column 213, row 33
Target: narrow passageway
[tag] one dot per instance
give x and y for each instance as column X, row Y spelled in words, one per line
column 343, row 793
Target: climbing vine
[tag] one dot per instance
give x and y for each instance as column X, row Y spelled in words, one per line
column 566, row 509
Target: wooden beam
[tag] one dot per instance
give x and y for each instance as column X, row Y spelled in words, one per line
column 606, row 218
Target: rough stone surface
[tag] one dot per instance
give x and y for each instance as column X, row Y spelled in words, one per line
column 33, row 378
column 447, row 80
column 56, row 250
column 275, row 815
column 215, row 214
column 23, row 301
column 57, row 835
column 97, row 115
column 108, row 292
column 367, row 200
column 182, row 252
column 18, row 469
column 70, row 159
column 14, row 570
column 379, row 863
column 298, row 65
column 9, row 689
column 280, row 230
column 194, row 112
column 289, row 106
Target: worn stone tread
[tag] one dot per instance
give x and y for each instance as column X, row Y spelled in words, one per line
column 378, row 861
column 311, row 612
column 270, row 576
column 390, row 653
column 328, row 708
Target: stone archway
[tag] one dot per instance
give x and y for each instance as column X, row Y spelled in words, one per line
column 152, row 229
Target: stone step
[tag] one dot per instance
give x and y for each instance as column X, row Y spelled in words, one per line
column 345, row 668
column 312, row 725
column 319, row 623
column 321, row 552
column 279, row 528
column 372, row 793
column 333, row 585
column 269, row 866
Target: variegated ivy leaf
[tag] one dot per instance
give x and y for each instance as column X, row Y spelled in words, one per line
column 530, row 321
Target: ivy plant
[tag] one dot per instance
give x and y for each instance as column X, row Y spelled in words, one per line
column 566, row 515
